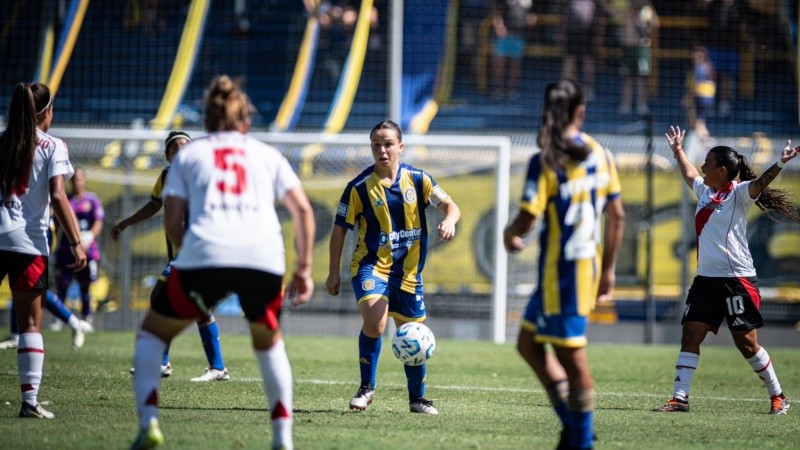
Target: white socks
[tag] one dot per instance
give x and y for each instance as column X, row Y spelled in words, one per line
column 147, row 377
column 30, row 359
column 276, row 374
column 762, row 365
column 684, row 372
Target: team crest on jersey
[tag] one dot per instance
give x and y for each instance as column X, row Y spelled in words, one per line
column 378, row 202
column 342, row 211
column 410, row 195
column 368, row 285
column 383, row 239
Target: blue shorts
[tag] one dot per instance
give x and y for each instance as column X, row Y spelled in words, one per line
column 561, row 330
column 402, row 305
column 509, row 47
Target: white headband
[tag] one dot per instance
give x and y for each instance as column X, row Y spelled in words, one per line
column 49, row 101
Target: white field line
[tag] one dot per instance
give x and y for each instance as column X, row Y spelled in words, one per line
column 665, row 394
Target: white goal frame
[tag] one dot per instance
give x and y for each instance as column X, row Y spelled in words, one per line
column 134, row 137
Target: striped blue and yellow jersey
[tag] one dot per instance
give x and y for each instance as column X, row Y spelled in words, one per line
column 391, row 223
column 156, row 197
column 570, row 201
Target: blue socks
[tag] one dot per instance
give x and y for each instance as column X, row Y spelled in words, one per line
column 369, row 350
column 209, row 334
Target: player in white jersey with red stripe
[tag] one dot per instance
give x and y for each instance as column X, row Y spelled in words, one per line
column 33, row 166
column 232, row 242
column 726, row 286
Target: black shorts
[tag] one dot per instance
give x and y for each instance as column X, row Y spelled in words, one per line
column 193, row 293
column 26, row 273
column 736, row 299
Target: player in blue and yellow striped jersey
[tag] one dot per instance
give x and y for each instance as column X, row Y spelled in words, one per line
column 570, row 183
column 386, row 203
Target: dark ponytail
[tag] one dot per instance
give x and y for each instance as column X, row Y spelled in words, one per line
column 17, row 143
column 561, row 100
column 770, row 199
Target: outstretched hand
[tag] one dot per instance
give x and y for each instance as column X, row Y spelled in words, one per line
column 789, row 152
column 675, row 138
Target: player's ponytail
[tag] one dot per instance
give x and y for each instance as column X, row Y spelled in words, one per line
column 17, row 143
column 227, row 106
column 770, row 198
column 562, row 99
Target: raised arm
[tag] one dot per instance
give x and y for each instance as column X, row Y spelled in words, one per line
column 675, row 138
column 770, row 174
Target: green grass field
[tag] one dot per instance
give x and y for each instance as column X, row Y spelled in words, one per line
column 487, row 398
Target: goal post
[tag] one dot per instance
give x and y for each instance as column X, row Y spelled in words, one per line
column 475, row 169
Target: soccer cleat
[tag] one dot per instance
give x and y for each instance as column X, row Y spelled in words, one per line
column 213, row 375
column 35, row 412
column 363, row 398
column 423, row 406
column 9, row 343
column 85, row 326
column 780, row 405
column 166, row 371
column 150, row 437
column 674, row 405
column 78, row 338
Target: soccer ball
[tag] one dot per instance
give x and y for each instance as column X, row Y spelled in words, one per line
column 413, row 344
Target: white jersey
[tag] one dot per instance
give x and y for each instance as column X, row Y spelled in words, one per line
column 24, row 219
column 231, row 182
column 721, row 225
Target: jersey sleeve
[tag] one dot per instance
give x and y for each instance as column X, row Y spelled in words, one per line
column 536, row 190
column 350, row 208
column 698, row 187
column 614, row 185
column 59, row 161
column 432, row 192
column 97, row 209
column 743, row 193
column 158, row 188
column 286, row 179
column 175, row 184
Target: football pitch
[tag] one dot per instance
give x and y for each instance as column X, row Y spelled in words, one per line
column 487, row 398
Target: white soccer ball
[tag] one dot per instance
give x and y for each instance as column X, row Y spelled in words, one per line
column 413, row 343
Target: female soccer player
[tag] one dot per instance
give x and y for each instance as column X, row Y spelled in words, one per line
column 726, row 286
column 571, row 183
column 387, row 202
column 228, row 183
column 207, row 326
column 33, row 165
column 89, row 211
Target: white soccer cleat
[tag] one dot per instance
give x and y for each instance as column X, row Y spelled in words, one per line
column 85, row 326
column 423, row 406
column 213, row 375
column 35, row 412
column 78, row 338
column 10, row 342
column 363, row 398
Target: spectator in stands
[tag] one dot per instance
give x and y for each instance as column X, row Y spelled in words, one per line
column 89, row 211
column 700, row 92
column 726, row 36
column 510, row 21
column 33, row 166
column 207, row 325
column 471, row 14
column 635, row 36
column 581, row 37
